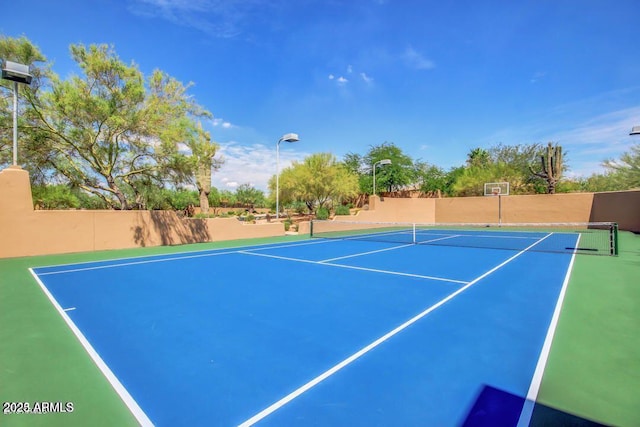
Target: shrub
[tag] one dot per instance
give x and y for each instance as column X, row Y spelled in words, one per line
column 322, row 213
column 342, row 210
column 54, row 197
column 287, row 225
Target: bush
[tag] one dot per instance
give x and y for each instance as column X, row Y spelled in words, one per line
column 322, row 213
column 342, row 210
column 287, row 225
column 54, row 197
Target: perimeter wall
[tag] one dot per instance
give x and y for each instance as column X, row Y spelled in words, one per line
column 622, row 207
column 25, row 231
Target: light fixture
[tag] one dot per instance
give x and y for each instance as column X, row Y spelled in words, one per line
column 289, row 137
column 378, row 163
column 17, row 73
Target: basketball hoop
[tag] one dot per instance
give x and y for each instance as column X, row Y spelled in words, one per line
column 498, row 189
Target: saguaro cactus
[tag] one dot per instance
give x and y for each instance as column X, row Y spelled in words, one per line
column 551, row 166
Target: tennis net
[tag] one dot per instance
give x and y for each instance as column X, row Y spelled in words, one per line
column 598, row 238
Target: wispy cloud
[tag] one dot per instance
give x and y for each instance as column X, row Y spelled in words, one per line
column 340, row 81
column 537, row 76
column 415, row 59
column 366, row 79
column 587, row 141
column 220, row 18
column 218, row 122
column 254, row 164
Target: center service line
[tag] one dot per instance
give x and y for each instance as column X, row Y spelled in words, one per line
column 288, row 398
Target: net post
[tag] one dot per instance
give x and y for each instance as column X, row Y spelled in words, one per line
column 614, row 236
column 311, row 228
column 414, row 233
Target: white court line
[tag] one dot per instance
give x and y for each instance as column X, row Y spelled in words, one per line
column 351, row 267
column 288, row 398
column 173, row 258
column 364, row 253
column 440, row 238
column 536, row 381
column 133, row 406
column 69, row 309
column 386, row 249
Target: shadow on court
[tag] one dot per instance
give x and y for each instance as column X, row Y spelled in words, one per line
column 495, row 407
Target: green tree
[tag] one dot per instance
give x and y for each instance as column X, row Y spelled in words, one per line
column 318, row 181
column 478, row 157
column 111, row 134
column 431, row 178
column 398, row 174
column 627, row 168
column 249, row 196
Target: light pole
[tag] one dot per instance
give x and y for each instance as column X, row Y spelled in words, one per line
column 17, row 73
column 289, row 137
column 378, row 163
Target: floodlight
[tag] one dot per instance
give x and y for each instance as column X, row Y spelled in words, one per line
column 16, row 72
column 290, row 137
column 378, row 163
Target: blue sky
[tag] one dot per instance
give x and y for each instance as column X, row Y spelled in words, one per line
column 437, row 78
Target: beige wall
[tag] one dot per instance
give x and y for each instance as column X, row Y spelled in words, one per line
column 24, row 231
column 622, row 207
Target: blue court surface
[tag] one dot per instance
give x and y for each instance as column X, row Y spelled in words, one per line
column 320, row 332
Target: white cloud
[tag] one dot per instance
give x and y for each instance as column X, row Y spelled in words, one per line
column 220, row 122
column 254, row 164
column 587, row 142
column 340, row 81
column 366, row 79
column 415, row 59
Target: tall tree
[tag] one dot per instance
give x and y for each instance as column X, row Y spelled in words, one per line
column 249, row 196
column 478, row 157
column 398, row 174
column 110, row 134
column 317, row 181
column 627, row 168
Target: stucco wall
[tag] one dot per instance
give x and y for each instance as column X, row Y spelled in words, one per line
column 622, row 207
column 24, row 231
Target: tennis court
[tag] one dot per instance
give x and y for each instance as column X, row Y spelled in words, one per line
column 348, row 331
